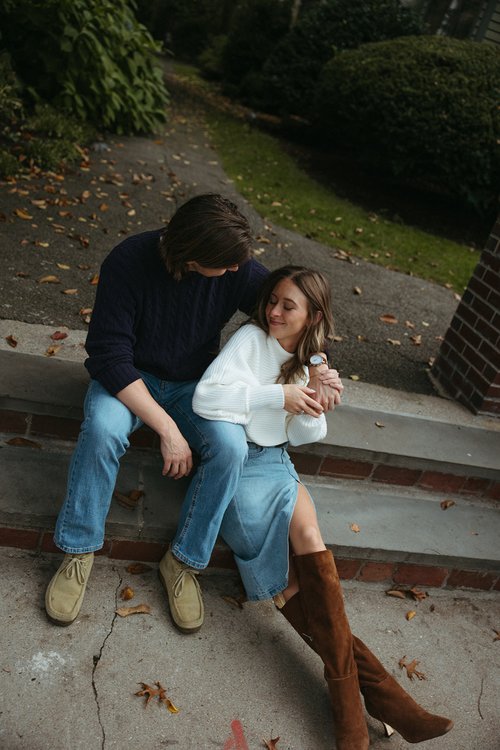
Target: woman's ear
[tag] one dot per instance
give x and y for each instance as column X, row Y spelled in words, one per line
column 318, row 316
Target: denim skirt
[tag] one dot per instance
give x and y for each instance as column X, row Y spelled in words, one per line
column 257, row 521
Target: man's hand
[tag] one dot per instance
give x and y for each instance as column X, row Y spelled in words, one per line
column 328, row 386
column 176, row 453
column 298, row 400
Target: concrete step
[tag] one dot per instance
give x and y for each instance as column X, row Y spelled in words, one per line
column 404, row 536
column 377, row 435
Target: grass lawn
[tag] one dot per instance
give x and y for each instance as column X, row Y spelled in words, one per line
column 283, row 193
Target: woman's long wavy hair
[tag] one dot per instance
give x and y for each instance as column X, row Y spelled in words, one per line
column 319, row 330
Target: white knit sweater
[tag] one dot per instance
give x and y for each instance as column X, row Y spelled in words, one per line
column 240, row 386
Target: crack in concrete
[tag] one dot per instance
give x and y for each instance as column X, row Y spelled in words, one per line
column 97, row 659
column 479, row 699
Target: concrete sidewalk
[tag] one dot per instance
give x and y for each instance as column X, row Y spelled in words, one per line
column 63, row 688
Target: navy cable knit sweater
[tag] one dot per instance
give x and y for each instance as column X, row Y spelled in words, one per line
column 145, row 320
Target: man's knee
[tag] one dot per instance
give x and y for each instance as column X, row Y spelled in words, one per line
column 229, row 445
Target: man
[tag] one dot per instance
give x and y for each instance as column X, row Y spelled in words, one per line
column 162, row 300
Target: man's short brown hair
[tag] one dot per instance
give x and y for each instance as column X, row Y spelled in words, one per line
column 208, row 229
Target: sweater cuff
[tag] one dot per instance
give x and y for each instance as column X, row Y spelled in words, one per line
column 118, row 377
column 266, row 396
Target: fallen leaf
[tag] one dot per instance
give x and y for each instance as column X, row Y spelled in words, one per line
column 394, row 342
column 354, row 527
column 22, row 214
column 357, row 290
column 11, row 340
column 445, row 504
column 137, row 568
column 69, row 291
column 497, row 635
column 20, row 442
column 417, row 594
column 127, row 593
column 50, row 279
column 379, row 424
column 388, row 318
column 85, row 310
column 139, row 609
column 104, row 207
column 94, row 280
column 354, row 377
column 38, row 243
column 398, row 593
column 411, row 614
column 411, row 669
column 51, row 350
column 271, row 744
column 416, row 340
column 63, row 266
column 58, row 335
column 158, row 692
column 128, row 501
column 233, row 602
column 22, row 275
column 83, row 266
column 409, row 324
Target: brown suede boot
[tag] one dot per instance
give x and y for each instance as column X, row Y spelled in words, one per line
column 385, row 699
column 327, row 624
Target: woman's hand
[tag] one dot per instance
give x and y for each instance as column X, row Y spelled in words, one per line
column 298, row 400
column 328, row 386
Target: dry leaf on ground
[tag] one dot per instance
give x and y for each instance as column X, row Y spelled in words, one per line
column 159, row 692
column 127, row 593
column 354, row 527
column 388, row 318
column 411, row 614
column 417, row 594
column 58, row 335
column 11, row 340
column 235, row 602
column 20, row 442
column 50, row 279
column 136, row 569
column 139, row 609
column 411, row 669
column 445, row 504
column 398, row 593
column 497, row 635
column 128, row 501
column 51, row 350
column 271, row 744
column 357, row 290
column 379, row 424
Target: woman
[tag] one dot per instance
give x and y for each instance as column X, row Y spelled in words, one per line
column 260, row 380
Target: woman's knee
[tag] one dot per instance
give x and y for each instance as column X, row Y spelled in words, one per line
column 306, row 539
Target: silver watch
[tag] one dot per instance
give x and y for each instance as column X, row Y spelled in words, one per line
column 317, row 359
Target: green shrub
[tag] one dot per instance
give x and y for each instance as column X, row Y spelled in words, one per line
column 90, row 58
column 292, row 70
column 211, row 59
column 256, row 27
column 423, row 109
column 9, row 166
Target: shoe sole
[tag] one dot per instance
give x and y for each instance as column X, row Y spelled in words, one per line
column 186, row 631
column 61, row 623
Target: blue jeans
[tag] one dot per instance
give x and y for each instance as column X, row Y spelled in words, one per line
column 103, row 440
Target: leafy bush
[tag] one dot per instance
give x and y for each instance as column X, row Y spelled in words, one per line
column 256, row 27
column 420, row 108
column 211, row 59
column 89, row 57
column 292, row 70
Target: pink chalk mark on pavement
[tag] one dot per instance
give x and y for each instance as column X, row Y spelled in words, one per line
column 237, row 741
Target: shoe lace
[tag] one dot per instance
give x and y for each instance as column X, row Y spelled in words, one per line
column 76, row 567
column 180, row 579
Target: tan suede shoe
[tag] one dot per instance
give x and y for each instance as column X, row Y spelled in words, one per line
column 65, row 592
column 184, row 594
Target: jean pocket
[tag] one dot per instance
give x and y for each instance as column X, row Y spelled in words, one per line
column 254, row 450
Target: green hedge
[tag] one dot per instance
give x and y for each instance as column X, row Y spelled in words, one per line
column 291, row 72
column 421, row 108
column 89, row 57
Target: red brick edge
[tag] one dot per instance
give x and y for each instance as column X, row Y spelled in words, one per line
column 33, row 425
column 348, row 569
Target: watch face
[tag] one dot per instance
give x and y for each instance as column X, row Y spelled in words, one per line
column 316, row 359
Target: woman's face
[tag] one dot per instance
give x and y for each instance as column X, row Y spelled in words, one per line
column 287, row 314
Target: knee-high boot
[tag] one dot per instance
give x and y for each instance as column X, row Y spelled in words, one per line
column 385, row 699
column 327, row 624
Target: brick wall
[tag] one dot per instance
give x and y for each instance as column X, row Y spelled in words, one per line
column 468, row 363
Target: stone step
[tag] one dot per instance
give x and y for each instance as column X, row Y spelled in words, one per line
column 377, row 532
column 377, row 435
